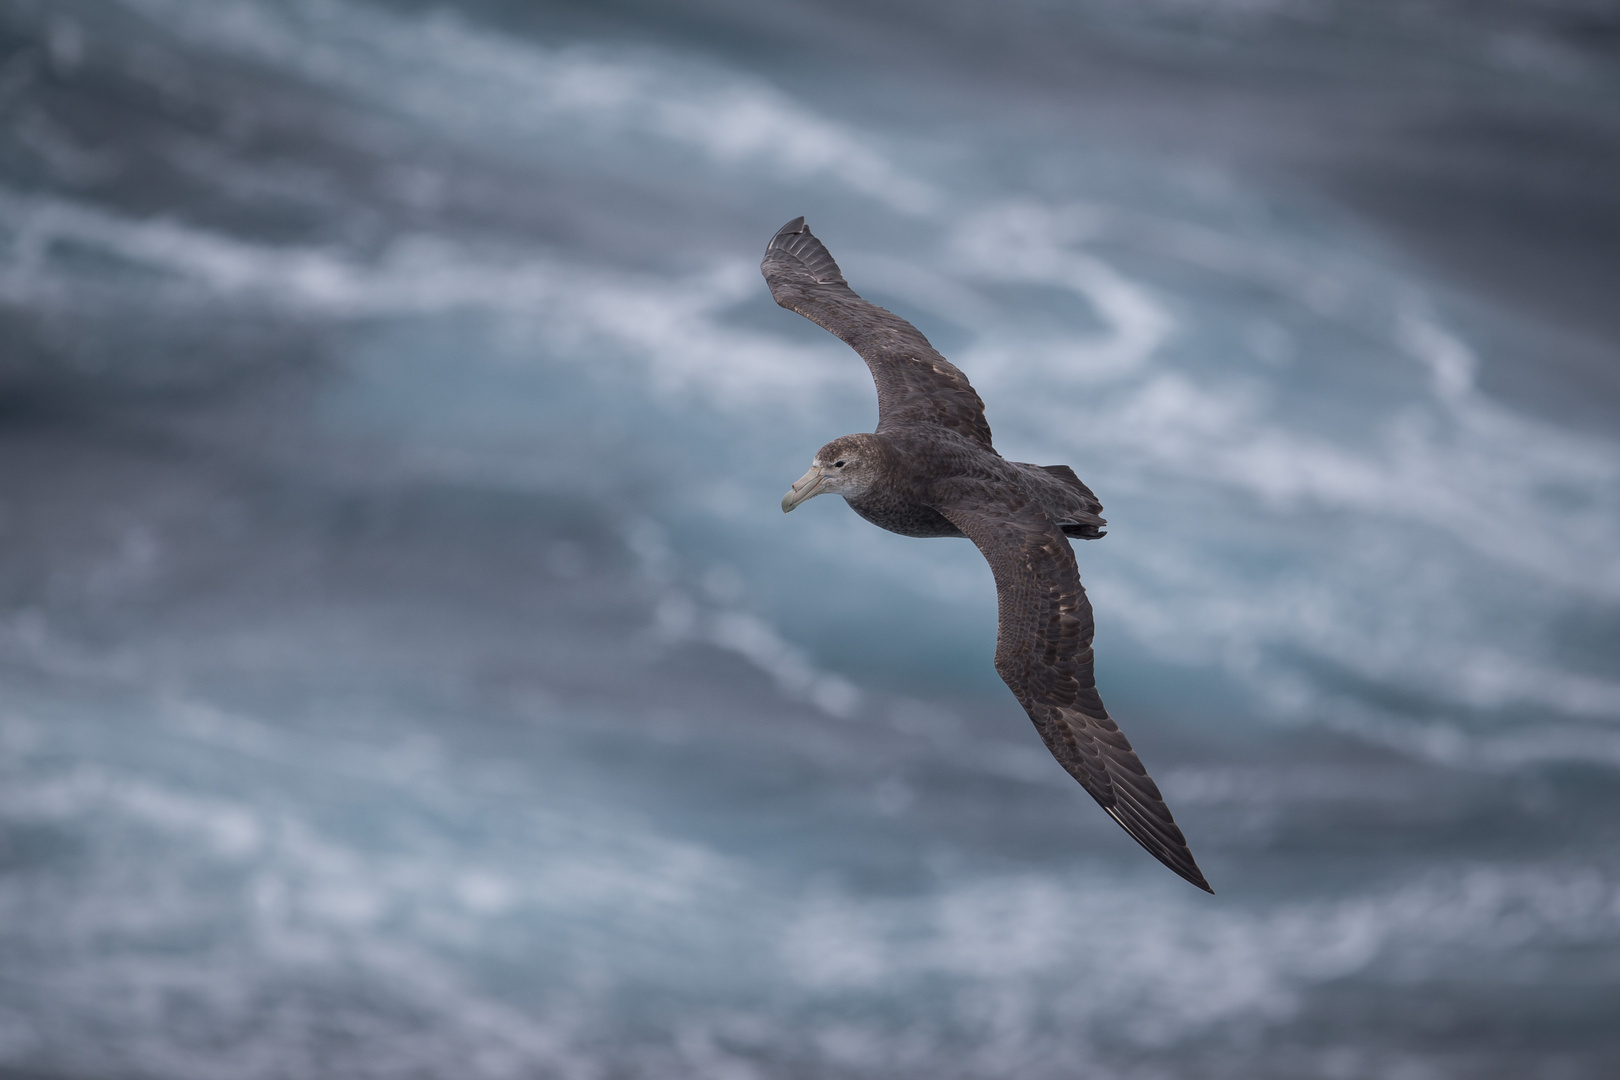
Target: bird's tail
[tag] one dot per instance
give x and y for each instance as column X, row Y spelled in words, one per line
column 1079, row 513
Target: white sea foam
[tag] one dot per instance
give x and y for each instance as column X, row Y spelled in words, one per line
column 191, row 892
column 448, row 73
column 1137, row 395
column 1036, row 968
column 1135, row 962
column 1475, row 470
column 1456, row 462
column 1029, row 243
column 679, row 618
column 1533, row 502
column 671, row 327
column 1450, row 503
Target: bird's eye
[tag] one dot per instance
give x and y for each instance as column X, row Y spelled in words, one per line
column 838, row 464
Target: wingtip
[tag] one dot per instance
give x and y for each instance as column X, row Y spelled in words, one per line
column 1191, row 875
column 1188, row 872
column 794, row 244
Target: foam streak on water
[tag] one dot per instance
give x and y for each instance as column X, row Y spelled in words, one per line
column 407, row 669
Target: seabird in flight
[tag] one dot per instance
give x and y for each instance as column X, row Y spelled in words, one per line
column 930, row 470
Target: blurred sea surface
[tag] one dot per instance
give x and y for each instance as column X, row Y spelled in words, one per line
column 407, row 670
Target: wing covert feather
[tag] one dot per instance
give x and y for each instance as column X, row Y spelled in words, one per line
column 1043, row 653
column 915, row 384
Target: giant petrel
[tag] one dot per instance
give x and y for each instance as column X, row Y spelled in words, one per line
column 930, row 470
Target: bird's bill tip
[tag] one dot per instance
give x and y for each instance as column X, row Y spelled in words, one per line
column 805, row 487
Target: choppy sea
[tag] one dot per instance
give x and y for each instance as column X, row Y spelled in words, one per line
column 406, row 669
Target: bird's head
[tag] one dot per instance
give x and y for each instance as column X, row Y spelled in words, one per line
column 847, row 466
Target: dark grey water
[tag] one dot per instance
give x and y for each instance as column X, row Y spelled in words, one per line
column 407, row 670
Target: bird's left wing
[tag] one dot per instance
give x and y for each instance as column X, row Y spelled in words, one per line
column 915, row 385
column 1043, row 653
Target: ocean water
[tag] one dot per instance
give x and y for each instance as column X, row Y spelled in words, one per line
column 406, row 669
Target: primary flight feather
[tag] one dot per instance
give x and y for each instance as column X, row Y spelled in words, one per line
column 930, row 469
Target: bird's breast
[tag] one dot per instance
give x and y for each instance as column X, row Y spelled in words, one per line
column 903, row 516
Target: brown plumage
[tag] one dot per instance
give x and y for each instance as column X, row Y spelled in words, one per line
column 930, row 469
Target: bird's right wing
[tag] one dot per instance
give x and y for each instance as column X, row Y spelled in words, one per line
column 915, row 385
column 1043, row 653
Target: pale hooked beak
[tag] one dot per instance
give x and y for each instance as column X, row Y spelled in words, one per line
column 803, row 488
